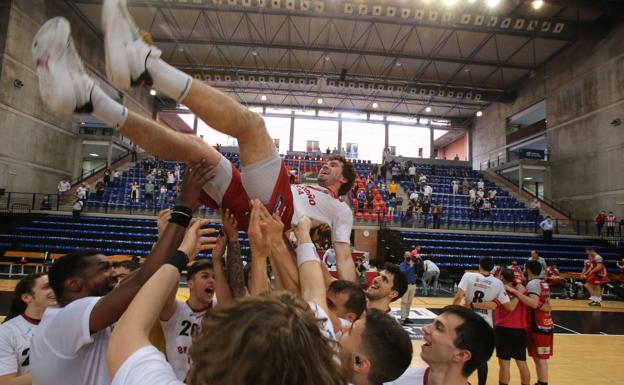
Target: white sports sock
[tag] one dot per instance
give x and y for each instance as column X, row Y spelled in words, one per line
column 108, row 110
column 168, row 79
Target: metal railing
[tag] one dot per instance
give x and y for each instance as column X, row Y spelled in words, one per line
column 89, row 173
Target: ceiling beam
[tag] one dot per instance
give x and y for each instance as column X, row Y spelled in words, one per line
column 466, row 19
column 353, row 51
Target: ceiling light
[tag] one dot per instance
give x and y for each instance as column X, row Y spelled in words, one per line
column 492, row 3
column 153, row 92
column 254, row 53
column 449, row 3
column 398, row 64
column 263, row 98
column 528, row 178
column 94, row 154
column 320, row 101
column 326, row 58
column 471, row 1
column 537, row 4
column 428, row 109
column 479, row 113
column 375, row 105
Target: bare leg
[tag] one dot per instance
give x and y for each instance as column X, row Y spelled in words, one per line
column 525, row 374
column 226, row 115
column 166, row 143
column 504, row 372
column 541, row 367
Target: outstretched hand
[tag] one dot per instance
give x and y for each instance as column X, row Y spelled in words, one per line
column 259, row 241
column 196, row 239
column 195, row 177
column 302, row 230
column 230, row 225
column 162, row 221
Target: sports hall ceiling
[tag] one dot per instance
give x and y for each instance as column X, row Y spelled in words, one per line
column 454, row 56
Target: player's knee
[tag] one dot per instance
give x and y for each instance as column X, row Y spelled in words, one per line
column 254, row 123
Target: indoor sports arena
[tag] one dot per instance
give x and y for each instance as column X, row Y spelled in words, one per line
column 305, row 192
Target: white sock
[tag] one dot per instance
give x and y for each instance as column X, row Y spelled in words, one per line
column 168, row 79
column 108, row 110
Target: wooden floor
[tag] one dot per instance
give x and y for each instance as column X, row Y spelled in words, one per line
column 578, row 358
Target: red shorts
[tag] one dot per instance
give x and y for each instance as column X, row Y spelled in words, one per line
column 237, row 201
column 539, row 345
column 595, row 279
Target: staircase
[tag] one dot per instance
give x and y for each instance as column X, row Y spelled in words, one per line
column 565, row 225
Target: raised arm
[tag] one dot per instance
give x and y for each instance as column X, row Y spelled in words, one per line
column 234, row 263
column 110, row 307
column 310, row 271
column 222, row 287
column 260, row 248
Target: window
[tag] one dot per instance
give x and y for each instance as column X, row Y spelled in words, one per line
column 325, row 132
column 408, row 140
column 279, row 129
column 369, row 137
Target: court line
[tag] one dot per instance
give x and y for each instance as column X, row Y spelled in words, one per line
column 570, row 330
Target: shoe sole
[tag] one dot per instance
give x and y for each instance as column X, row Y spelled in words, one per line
column 117, row 64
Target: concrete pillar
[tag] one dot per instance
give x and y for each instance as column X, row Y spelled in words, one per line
column 292, row 131
column 77, row 159
column 387, row 134
column 520, row 178
column 195, row 126
column 339, row 131
column 109, row 155
column 431, row 143
column 470, row 147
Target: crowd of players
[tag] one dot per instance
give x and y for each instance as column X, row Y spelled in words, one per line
column 237, row 327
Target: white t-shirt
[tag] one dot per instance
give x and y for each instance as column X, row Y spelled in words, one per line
column 146, row 366
column 422, row 179
column 413, row 196
column 77, row 206
column 479, row 288
column 170, row 178
column 322, row 205
column 430, row 266
column 412, row 376
column 63, row 351
column 178, row 332
column 325, row 323
column 81, row 192
column 15, row 337
column 480, row 184
column 428, row 190
column 412, row 170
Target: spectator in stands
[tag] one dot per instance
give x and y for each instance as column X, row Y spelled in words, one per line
column 428, row 191
column 392, row 204
column 149, row 192
column 610, row 220
column 436, row 213
column 534, row 209
column 457, row 342
column 473, row 195
column 455, row 186
column 553, row 278
column 418, row 214
column 392, row 189
column 32, row 295
column 361, row 200
column 116, row 177
column 329, row 257
column 134, row 153
column 408, row 217
column 429, row 276
column 465, row 186
column 122, row 269
column 134, row 191
column 100, row 189
column 510, row 333
column 481, row 184
column 360, row 272
column 426, row 209
column 107, row 177
column 413, row 197
column 475, row 208
column 600, row 221
column 481, row 194
column 77, row 208
column 416, row 251
column 170, row 180
column 328, row 151
column 456, row 157
column 547, row 227
column 81, row 192
column 487, row 209
column 395, row 173
column 162, row 196
column 408, row 268
column 63, row 188
column 537, row 258
column 411, row 172
column 422, row 181
column 492, row 196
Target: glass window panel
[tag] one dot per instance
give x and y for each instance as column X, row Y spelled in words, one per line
column 409, row 139
column 279, row 128
column 438, row 133
column 328, row 114
column 323, row 131
column 353, row 115
column 369, row 138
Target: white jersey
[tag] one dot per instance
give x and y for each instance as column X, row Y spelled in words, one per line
column 479, row 288
column 325, row 324
column 412, row 376
column 322, row 205
column 64, row 351
column 179, row 331
column 146, row 366
column 15, row 338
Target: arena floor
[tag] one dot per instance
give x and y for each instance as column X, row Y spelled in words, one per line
column 589, row 342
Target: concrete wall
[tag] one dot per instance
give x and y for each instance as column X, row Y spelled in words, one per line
column 584, row 91
column 458, row 147
column 366, row 243
column 38, row 146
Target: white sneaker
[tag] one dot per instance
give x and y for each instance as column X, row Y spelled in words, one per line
column 126, row 52
column 63, row 83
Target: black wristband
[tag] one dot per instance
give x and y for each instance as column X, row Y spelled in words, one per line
column 181, row 215
column 179, row 260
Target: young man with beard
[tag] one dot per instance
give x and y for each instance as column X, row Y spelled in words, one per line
column 66, row 88
column 71, row 340
column 456, row 344
column 387, row 287
column 31, row 297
